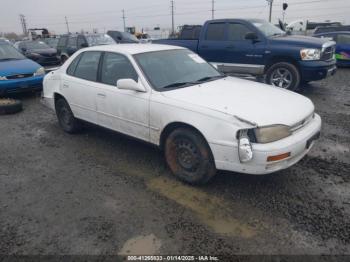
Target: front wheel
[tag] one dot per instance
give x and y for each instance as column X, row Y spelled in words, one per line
column 284, row 75
column 65, row 117
column 189, row 157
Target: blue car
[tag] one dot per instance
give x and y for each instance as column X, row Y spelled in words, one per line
column 342, row 52
column 18, row 73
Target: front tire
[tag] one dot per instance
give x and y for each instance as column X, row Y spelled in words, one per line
column 284, row 75
column 189, row 157
column 66, row 118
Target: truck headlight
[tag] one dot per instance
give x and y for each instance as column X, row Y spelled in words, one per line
column 245, row 151
column 40, row 72
column 271, row 133
column 310, row 54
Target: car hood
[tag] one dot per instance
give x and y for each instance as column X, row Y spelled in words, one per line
column 300, row 40
column 23, row 66
column 254, row 102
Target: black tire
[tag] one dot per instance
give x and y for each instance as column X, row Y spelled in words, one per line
column 10, row 106
column 278, row 74
column 189, row 157
column 66, row 118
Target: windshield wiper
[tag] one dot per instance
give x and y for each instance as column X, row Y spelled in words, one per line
column 207, row 78
column 178, row 84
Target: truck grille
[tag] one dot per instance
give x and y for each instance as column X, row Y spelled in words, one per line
column 19, row 76
column 328, row 53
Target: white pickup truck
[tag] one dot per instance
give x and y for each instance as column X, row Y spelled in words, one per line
column 169, row 96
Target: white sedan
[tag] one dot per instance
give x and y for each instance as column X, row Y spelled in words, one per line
column 171, row 97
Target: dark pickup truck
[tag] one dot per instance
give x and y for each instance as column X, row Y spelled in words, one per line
column 256, row 47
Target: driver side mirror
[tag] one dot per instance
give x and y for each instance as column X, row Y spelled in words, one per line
column 130, row 84
column 251, row 36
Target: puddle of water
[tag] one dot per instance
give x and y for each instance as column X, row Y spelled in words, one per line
column 211, row 210
column 141, row 245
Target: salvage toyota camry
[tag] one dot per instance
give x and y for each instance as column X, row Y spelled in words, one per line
column 171, row 97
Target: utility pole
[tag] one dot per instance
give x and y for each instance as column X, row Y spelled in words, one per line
column 23, row 23
column 67, row 24
column 172, row 18
column 270, row 3
column 123, row 11
column 212, row 9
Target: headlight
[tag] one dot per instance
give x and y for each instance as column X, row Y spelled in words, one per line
column 271, row 133
column 245, row 151
column 40, row 72
column 3, row 78
column 310, row 54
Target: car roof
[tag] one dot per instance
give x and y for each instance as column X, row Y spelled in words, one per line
column 335, row 32
column 132, row 49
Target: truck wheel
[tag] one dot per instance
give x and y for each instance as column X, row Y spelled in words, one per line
column 189, row 157
column 65, row 117
column 284, row 75
column 10, row 106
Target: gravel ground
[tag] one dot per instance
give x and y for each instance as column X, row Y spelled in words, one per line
column 99, row 192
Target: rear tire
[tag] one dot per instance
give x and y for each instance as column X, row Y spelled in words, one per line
column 66, row 118
column 189, row 157
column 284, row 75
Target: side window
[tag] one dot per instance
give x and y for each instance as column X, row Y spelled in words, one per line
column 343, row 39
column 237, row 32
column 72, row 42
column 62, row 41
column 216, row 32
column 73, row 65
column 81, row 41
column 88, row 66
column 115, row 67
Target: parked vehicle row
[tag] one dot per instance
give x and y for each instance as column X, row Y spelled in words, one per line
column 254, row 46
column 171, row 97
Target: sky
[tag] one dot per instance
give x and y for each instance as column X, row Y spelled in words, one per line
column 107, row 14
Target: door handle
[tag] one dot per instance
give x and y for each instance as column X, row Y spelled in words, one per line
column 65, row 86
column 101, row 95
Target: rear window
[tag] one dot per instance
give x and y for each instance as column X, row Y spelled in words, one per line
column 62, row 41
column 216, row 32
column 343, row 39
column 88, row 66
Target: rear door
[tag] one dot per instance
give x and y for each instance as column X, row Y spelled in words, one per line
column 79, row 85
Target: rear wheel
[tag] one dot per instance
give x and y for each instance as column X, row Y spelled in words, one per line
column 189, row 157
column 284, row 75
column 10, row 106
column 65, row 117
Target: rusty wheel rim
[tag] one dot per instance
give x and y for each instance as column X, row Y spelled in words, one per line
column 187, row 154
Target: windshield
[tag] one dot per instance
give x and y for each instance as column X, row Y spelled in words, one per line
column 8, row 52
column 129, row 36
column 36, row 45
column 101, row 39
column 175, row 68
column 267, row 28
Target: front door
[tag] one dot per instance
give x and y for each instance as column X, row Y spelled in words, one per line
column 125, row 111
